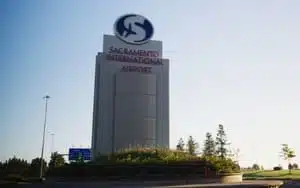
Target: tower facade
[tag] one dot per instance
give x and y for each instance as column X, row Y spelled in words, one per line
column 131, row 96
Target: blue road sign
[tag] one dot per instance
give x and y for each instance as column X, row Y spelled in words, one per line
column 76, row 153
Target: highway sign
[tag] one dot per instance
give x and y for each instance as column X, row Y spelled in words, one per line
column 79, row 153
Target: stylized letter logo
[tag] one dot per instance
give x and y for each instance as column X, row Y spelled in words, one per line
column 133, row 29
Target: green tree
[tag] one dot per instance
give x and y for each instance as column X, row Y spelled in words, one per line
column 180, row 145
column 192, row 146
column 209, row 148
column 2, row 167
column 221, row 142
column 288, row 154
column 295, row 166
column 35, row 166
column 255, row 167
column 56, row 160
column 15, row 166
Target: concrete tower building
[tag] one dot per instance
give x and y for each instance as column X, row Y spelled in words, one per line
column 131, row 96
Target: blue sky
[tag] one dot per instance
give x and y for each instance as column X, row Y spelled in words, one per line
column 232, row 62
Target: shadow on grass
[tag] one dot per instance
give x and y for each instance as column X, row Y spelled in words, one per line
column 260, row 174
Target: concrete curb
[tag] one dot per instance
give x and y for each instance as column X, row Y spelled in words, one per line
column 179, row 183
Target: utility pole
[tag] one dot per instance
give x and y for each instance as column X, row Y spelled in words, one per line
column 46, row 98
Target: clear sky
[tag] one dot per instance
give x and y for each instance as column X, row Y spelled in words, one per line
column 232, row 62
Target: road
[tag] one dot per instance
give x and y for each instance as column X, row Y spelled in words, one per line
column 291, row 184
column 288, row 184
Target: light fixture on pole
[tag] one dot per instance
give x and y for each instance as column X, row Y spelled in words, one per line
column 46, row 98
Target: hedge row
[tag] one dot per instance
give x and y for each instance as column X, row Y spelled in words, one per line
column 146, row 155
column 131, row 170
column 146, row 162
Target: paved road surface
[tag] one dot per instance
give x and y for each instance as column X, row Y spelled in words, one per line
column 288, row 184
column 292, row 184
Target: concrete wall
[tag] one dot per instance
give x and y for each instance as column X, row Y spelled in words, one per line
column 135, row 110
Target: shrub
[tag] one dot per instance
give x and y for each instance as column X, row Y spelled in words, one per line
column 277, row 168
column 145, row 162
column 255, row 167
column 295, row 166
column 224, row 165
column 145, row 155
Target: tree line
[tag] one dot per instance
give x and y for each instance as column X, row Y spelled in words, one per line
column 17, row 166
column 211, row 149
column 286, row 153
column 218, row 147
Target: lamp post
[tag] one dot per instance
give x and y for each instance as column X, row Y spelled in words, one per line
column 46, row 98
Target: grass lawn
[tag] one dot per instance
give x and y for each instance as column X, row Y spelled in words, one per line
column 271, row 174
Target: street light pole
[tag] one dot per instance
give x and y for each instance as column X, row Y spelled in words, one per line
column 46, row 98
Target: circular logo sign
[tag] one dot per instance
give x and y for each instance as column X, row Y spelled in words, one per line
column 133, row 29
